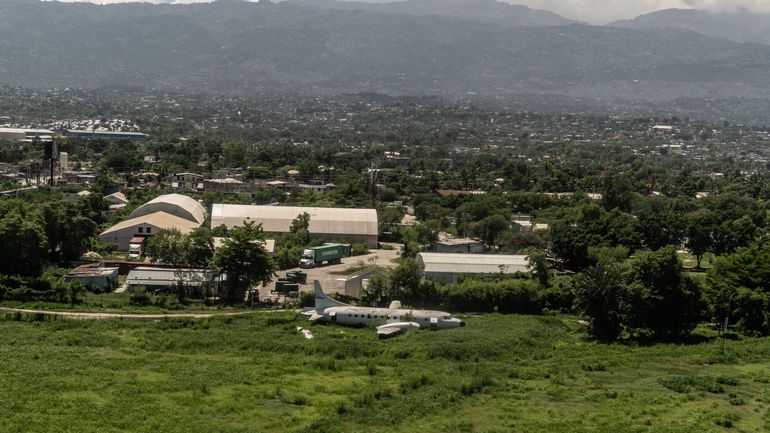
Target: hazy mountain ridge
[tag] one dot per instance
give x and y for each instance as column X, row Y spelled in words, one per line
column 255, row 48
column 739, row 26
column 488, row 11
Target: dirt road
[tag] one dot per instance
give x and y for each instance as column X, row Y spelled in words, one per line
column 131, row 316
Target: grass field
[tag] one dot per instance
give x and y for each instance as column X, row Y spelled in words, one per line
column 255, row 373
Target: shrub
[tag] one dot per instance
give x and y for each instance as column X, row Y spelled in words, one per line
column 521, row 296
column 359, row 249
column 140, row 297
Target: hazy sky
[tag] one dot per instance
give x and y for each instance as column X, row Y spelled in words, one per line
column 593, row 11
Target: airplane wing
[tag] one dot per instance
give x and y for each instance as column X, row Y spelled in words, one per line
column 392, row 329
column 313, row 315
column 394, row 305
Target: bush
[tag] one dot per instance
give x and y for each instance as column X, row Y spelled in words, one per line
column 359, row 249
column 685, row 384
column 506, row 296
column 50, row 287
column 306, row 299
column 140, row 297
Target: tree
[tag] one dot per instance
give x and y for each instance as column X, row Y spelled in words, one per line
column 172, row 246
column 69, row 232
column 599, row 296
column 168, row 246
column 374, row 292
column 662, row 299
column 569, row 245
column 405, row 281
column 491, row 228
column 300, row 223
column 738, row 289
column 243, row 260
column 23, row 245
column 539, row 267
column 699, row 231
column 617, row 192
column 201, row 248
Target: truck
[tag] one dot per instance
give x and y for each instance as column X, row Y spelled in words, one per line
column 330, row 253
column 136, row 247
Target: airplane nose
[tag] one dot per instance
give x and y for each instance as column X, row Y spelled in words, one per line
column 462, row 323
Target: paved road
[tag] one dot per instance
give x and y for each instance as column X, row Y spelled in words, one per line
column 134, row 316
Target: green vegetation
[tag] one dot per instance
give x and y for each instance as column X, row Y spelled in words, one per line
column 255, row 373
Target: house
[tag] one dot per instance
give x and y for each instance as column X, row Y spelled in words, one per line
column 93, row 275
column 185, row 181
column 458, row 192
column 227, row 184
column 117, row 200
column 472, row 246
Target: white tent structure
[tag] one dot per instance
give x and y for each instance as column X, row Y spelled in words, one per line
column 339, row 224
column 174, row 204
column 448, row 267
column 144, row 226
column 171, row 211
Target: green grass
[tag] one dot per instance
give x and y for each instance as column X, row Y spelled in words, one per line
column 689, row 261
column 119, row 303
column 254, row 373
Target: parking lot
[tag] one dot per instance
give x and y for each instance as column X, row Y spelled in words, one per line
column 330, row 276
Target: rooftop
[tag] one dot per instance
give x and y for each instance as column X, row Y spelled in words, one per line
column 164, row 277
column 473, row 263
column 278, row 219
column 177, row 204
column 161, row 220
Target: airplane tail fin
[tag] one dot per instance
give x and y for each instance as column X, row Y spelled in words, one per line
column 322, row 301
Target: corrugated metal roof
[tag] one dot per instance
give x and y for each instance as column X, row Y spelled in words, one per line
column 463, row 241
column 159, row 220
column 174, row 204
column 473, row 263
column 117, row 198
column 277, row 219
column 25, row 131
column 149, row 276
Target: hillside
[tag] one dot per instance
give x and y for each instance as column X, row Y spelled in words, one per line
column 487, row 11
column 740, row 26
column 253, row 48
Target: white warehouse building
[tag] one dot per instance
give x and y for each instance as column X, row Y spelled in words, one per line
column 448, row 267
column 163, row 213
column 338, row 224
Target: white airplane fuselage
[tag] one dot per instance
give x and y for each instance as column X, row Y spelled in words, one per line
column 389, row 321
column 362, row 316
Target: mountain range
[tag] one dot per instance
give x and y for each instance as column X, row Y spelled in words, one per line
column 487, row 11
column 740, row 25
column 516, row 57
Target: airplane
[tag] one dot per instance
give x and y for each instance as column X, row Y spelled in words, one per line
column 397, row 320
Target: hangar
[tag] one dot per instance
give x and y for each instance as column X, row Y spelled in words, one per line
column 174, row 204
column 448, row 267
column 338, row 224
column 163, row 213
